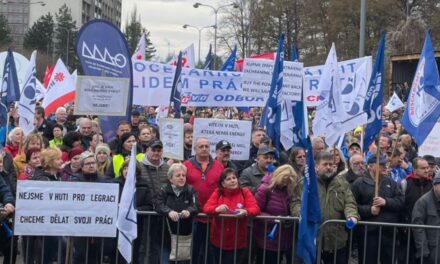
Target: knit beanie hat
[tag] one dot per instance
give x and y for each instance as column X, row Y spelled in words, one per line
column 102, row 147
column 75, row 151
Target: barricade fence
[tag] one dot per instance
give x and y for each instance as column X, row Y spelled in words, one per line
column 268, row 239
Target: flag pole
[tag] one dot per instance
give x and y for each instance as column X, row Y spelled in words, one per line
column 6, row 128
column 376, row 174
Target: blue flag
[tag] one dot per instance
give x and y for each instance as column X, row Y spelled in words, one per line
column 374, row 96
column 229, row 64
column 177, row 89
column 300, row 128
column 209, row 59
column 294, row 56
column 103, row 51
column 272, row 110
column 10, row 91
column 423, row 105
column 310, row 216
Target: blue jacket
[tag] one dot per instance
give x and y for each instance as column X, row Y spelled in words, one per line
column 398, row 173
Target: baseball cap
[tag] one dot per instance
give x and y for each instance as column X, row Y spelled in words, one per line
column 262, row 150
column 222, row 144
column 155, row 143
column 373, row 159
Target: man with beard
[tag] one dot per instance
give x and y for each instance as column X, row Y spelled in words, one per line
column 356, row 168
column 336, row 202
column 223, row 154
column 187, row 141
column 251, row 176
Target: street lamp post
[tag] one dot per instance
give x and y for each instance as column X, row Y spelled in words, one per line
column 199, row 29
column 234, row 5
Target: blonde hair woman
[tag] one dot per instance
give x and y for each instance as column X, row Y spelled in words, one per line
column 273, row 197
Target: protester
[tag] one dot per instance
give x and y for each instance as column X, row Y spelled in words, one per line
column 273, row 197
column 251, row 177
column 414, row 186
column 153, row 176
column 298, row 160
column 121, row 128
column 256, row 137
column 338, row 160
column 223, row 154
column 7, row 202
column 15, row 139
column 57, row 140
column 96, row 139
column 71, row 140
column 203, row 173
column 42, row 125
column 102, row 154
column 33, row 161
column 230, row 198
column 61, row 118
column 356, row 168
column 427, row 212
column 318, row 145
column 187, row 140
column 336, row 202
column 432, row 165
column 122, row 152
column 144, row 138
column 51, row 165
column 387, row 207
column 134, row 119
column 33, row 140
column 399, row 168
column 73, row 166
column 178, row 202
column 354, row 148
column 85, row 129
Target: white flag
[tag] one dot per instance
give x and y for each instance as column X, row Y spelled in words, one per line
column 161, row 112
column 332, row 119
column 139, row 53
column 287, row 123
column 60, row 89
column 188, row 59
column 127, row 222
column 26, row 106
column 394, row 103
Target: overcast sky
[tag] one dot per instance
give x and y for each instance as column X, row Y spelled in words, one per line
column 164, row 19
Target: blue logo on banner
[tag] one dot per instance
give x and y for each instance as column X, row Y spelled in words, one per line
column 103, row 51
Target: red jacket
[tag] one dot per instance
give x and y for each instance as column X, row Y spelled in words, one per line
column 231, row 198
column 12, row 150
column 206, row 185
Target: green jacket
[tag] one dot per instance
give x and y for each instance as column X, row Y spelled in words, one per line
column 336, row 202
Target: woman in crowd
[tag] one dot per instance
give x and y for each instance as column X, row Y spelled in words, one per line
column 33, row 161
column 102, row 154
column 228, row 236
column 273, row 197
column 298, row 160
column 96, row 139
column 144, row 137
column 178, row 201
column 33, row 140
column 123, row 150
column 57, row 140
column 51, row 165
column 70, row 140
column 338, row 159
column 73, row 165
column 15, row 138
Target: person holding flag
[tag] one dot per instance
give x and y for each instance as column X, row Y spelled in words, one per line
column 336, row 201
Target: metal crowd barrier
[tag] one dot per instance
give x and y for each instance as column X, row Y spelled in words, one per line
column 393, row 239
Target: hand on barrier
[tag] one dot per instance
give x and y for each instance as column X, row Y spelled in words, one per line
column 351, row 222
column 223, row 208
column 184, row 214
column 173, row 215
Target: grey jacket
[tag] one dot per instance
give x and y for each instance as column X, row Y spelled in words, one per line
column 251, row 177
column 427, row 212
column 149, row 183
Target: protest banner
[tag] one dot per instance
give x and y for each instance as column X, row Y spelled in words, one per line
column 101, row 96
column 432, row 142
column 152, row 83
column 171, row 135
column 347, row 72
column 257, row 75
column 66, row 209
column 237, row 133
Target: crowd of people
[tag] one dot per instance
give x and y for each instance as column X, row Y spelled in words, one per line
column 70, row 148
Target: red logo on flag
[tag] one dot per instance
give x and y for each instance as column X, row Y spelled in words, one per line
column 139, row 57
column 59, row 77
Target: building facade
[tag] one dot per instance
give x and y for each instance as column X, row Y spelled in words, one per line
column 21, row 14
